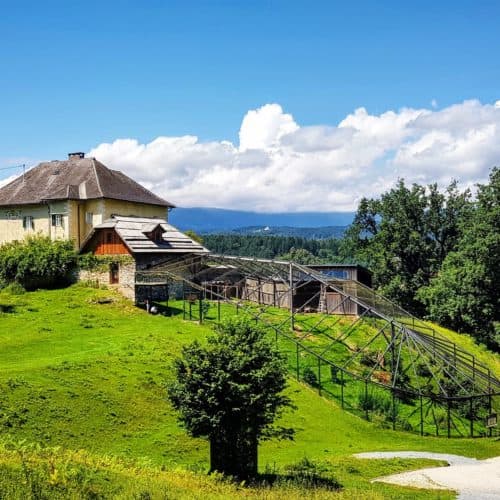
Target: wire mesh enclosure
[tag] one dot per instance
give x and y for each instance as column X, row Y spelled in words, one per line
column 341, row 337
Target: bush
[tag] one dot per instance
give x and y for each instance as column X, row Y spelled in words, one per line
column 37, row 262
column 309, row 377
column 14, row 289
column 379, row 402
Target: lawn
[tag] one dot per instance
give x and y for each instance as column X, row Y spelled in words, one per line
column 81, row 372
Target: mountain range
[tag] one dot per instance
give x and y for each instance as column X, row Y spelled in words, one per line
column 219, row 220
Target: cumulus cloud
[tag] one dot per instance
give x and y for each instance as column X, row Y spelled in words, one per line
column 279, row 165
column 263, row 128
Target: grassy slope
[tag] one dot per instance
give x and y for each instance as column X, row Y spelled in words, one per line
column 82, row 375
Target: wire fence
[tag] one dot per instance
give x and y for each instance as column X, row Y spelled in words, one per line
column 395, row 370
column 370, row 399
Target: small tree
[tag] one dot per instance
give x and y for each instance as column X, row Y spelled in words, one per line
column 231, row 392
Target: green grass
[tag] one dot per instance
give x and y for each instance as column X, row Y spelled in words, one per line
column 81, row 375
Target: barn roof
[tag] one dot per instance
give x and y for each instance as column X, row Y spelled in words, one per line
column 75, row 179
column 132, row 230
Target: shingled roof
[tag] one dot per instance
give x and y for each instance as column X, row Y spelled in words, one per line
column 75, row 179
column 134, row 233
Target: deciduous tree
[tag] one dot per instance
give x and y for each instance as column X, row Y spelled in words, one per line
column 465, row 294
column 230, row 391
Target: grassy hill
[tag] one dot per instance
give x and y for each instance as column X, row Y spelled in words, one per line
column 81, row 372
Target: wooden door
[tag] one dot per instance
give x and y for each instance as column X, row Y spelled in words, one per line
column 114, row 274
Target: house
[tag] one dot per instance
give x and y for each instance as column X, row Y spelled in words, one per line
column 137, row 244
column 102, row 211
column 67, row 199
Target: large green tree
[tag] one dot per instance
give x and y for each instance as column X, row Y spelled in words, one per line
column 403, row 237
column 230, row 391
column 465, row 294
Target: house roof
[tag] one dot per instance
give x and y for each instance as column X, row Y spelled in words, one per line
column 75, row 179
column 132, row 232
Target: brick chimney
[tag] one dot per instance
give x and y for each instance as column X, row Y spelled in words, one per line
column 76, row 156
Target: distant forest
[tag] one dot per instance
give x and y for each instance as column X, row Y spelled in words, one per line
column 311, row 233
column 306, row 251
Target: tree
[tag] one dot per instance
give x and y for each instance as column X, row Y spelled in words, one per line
column 194, row 236
column 465, row 294
column 404, row 236
column 230, row 391
column 301, row 256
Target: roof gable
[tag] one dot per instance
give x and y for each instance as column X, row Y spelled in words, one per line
column 76, row 178
column 133, row 231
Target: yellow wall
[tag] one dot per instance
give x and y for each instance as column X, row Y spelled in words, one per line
column 118, row 207
column 11, row 221
column 75, row 226
column 79, row 227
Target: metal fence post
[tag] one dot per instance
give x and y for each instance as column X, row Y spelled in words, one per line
column 342, row 388
column 297, row 365
column 183, row 300
column 366, row 400
column 471, row 416
column 200, row 307
column 319, row 376
column 421, row 416
column 393, row 411
column 448, row 418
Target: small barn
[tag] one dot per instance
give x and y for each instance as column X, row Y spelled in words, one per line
column 128, row 245
column 308, row 294
column 346, row 277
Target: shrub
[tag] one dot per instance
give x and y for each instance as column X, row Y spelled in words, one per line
column 423, row 370
column 310, row 474
column 14, row 289
column 37, row 262
column 309, row 377
column 379, row 402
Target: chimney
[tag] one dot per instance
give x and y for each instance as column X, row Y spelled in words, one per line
column 76, row 156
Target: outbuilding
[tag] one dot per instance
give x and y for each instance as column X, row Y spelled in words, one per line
column 125, row 246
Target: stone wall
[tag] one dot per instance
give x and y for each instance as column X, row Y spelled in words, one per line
column 102, row 276
column 140, row 292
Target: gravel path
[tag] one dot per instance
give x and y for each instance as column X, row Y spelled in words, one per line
column 473, row 479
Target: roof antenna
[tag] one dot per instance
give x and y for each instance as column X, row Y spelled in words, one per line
column 24, row 170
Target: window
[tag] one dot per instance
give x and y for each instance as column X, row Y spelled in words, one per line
column 114, row 275
column 336, row 273
column 57, row 220
column 158, row 235
column 28, row 223
column 89, row 217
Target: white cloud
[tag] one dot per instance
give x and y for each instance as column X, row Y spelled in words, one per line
column 281, row 166
column 264, row 127
column 4, row 182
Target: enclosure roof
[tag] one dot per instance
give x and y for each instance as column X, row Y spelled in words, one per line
column 338, row 266
column 75, row 179
column 132, row 232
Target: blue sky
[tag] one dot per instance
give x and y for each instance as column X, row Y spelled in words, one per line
column 78, row 74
